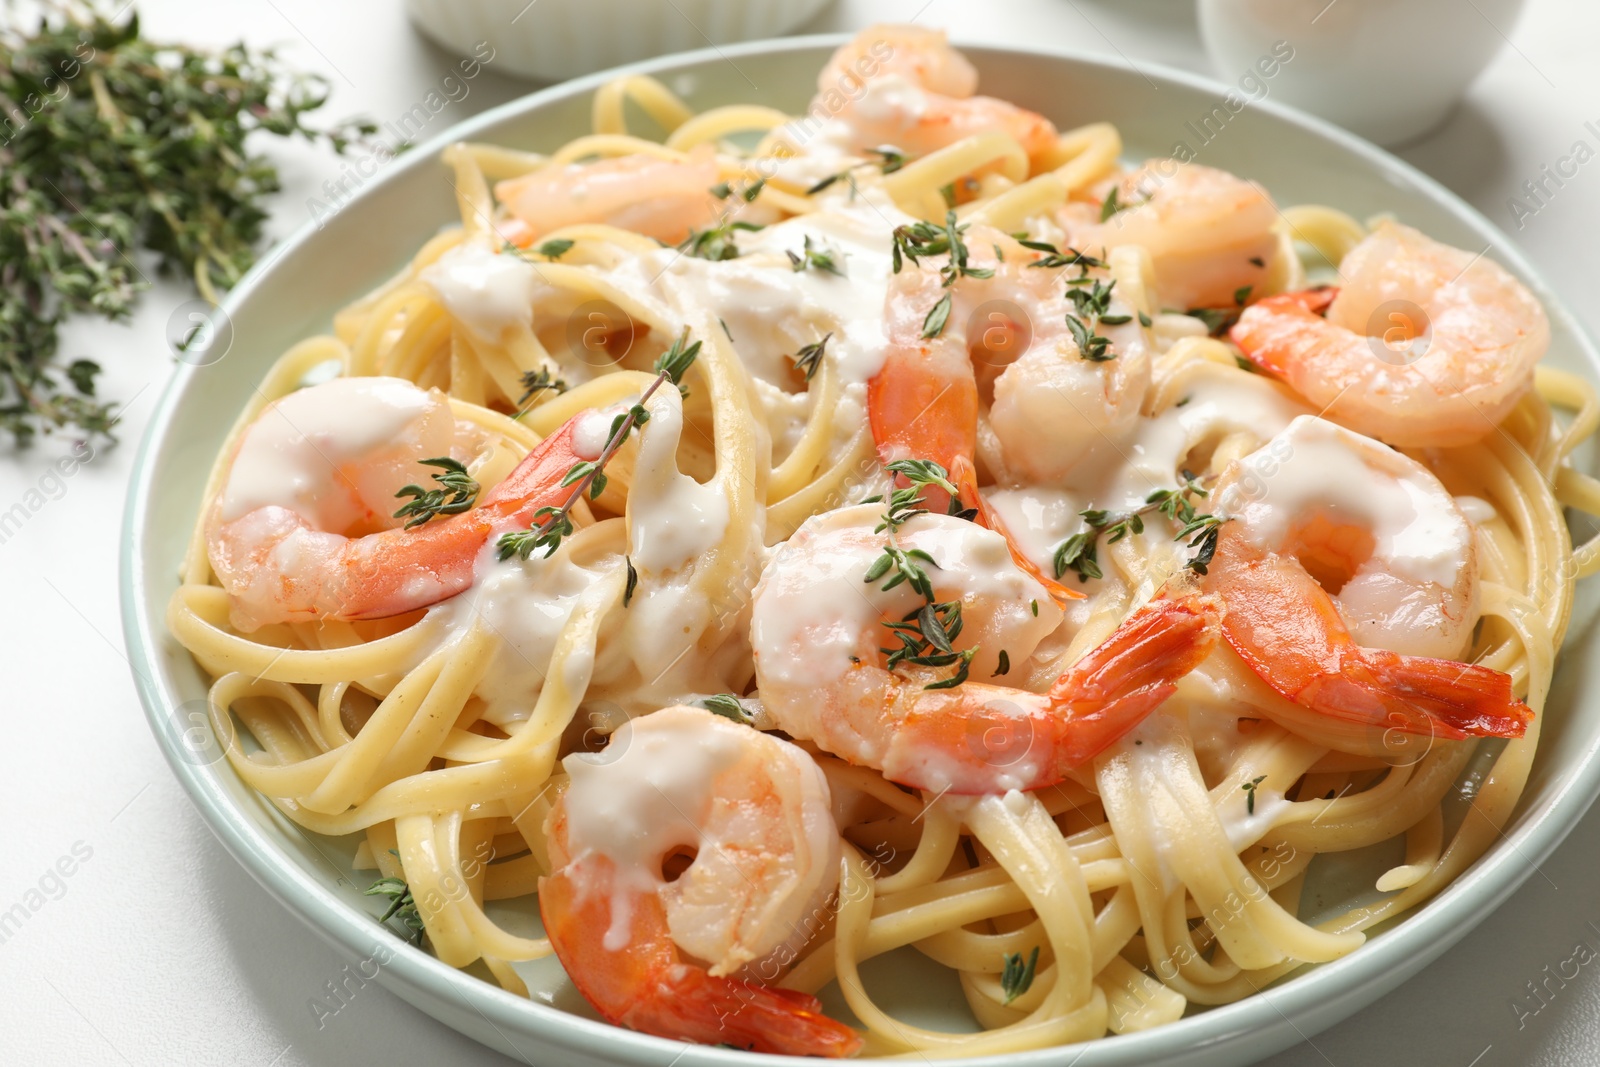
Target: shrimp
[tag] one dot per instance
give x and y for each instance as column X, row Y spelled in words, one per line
column 660, row 198
column 302, row 528
column 1423, row 345
column 676, row 951
column 905, row 86
column 1209, row 233
column 817, row 631
column 1052, row 410
column 1349, row 576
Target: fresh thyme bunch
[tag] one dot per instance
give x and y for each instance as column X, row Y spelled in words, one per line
column 114, row 148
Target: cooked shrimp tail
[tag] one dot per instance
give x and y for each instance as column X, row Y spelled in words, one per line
column 1289, row 631
column 649, row 988
column 1101, row 697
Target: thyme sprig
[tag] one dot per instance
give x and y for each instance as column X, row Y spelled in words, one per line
column 402, row 905
column 1016, row 976
column 1080, row 552
column 926, row 638
column 456, row 493
column 1250, row 793
column 1055, row 258
column 538, row 381
column 907, row 501
column 892, row 159
column 818, row 258
column 925, row 634
column 729, row 707
column 809, row 359
column 922, row 239
column 1113, row 204
column 716, row 242
column 117, row 145
column 747, row 193
column 552, row 524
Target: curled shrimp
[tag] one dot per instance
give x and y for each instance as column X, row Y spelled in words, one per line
column 1422, row 345
column 681, row 953
column 905, row 86
column 660, row 198
column 1209, row 233
column 1053, row 408
column 303, row 526
column 1320, row 508
column 818, row 631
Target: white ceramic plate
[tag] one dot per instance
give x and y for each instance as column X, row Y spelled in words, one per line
column 295, row 293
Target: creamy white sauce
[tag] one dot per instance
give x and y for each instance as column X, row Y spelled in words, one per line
column 1218, row 402
column 593, row 430
column 1315, row 465
column 1037, row 518
column 1245, row 824
column 672, row 519
column 486, row 291
column 1477, row 510
column 640, row 798
column 289, row 455
column 771, row 310
column 527, row 605
column 814, row 612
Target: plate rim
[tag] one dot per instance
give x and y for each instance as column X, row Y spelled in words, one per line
column 1263, row 1023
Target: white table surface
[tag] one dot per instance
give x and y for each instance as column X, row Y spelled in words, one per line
column 159, row 949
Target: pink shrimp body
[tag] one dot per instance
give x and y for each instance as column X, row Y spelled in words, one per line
column 660, row 198
column 1378, row 529
column 1209, row 233
column 303, row 526
column 918, row 95
column 1053, row 410
column 1423, row 344
column 689, row 958
column 818, row 633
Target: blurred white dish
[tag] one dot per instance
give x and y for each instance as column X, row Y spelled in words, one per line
column 1389, row 70
column 553, row 40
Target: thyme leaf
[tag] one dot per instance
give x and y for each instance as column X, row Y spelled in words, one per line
column 552, row 524
column 456, row 493
column 1016, row 976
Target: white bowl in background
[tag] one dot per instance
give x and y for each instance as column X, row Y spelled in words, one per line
column 552, row 40
column 1389, row 70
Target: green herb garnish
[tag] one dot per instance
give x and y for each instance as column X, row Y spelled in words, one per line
column 809, row 358
column 716, row 242
column 552, row 524
column 456, row 493
column 555, row 248
column 821, row 259
column 1250, row 792
column 1016, row 976
column 1080, row 552
column 118, row 146
column 402, row 905
column 729, row 707
column 535, row 382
